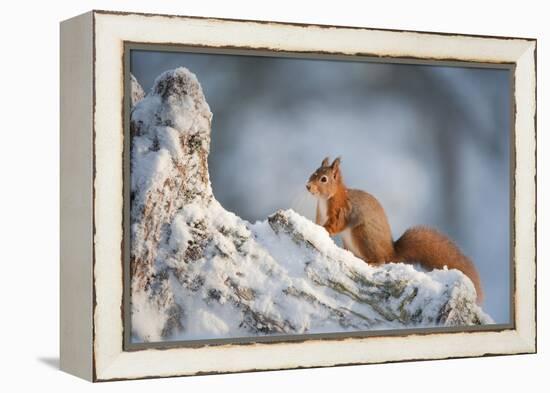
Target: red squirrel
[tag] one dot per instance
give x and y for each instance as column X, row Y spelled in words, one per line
column 362, row 223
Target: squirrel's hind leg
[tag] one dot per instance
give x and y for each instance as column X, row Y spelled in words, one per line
column 372, row 252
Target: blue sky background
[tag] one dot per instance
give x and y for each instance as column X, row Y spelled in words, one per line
column 432, row 143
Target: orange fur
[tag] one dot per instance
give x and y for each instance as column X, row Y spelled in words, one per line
column 434, row 250
column 337, row 209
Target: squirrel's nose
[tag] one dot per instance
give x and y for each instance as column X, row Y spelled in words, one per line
column 308, row 186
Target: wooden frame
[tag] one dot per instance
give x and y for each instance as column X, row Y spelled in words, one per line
column 92, row 141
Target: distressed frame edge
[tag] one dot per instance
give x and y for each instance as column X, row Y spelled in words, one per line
column 76, row 196
column 528, row 339
column 306, row 25
column 525, row 191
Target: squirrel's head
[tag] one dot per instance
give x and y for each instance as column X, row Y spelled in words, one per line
column 326, row 180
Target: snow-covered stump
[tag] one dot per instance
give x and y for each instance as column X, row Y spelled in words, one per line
column 199, row 271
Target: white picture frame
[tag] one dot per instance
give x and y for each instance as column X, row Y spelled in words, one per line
column 92, row 147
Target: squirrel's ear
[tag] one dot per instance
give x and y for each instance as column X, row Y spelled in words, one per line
column 325, row 162
column 336, row 163
column 336, row 168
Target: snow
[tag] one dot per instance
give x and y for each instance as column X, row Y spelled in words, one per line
column 148, row 319
column 271, row 264
column 201, row 272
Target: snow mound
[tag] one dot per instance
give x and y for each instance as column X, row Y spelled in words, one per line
column 199, row 271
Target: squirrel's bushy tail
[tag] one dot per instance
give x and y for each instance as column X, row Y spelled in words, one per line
column 434, row 250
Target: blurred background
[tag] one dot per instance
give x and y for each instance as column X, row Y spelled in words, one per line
column 431, row 143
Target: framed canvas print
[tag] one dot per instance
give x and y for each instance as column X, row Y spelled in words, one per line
column 246, row 195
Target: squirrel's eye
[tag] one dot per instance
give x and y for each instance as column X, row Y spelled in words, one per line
column 324, row 179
